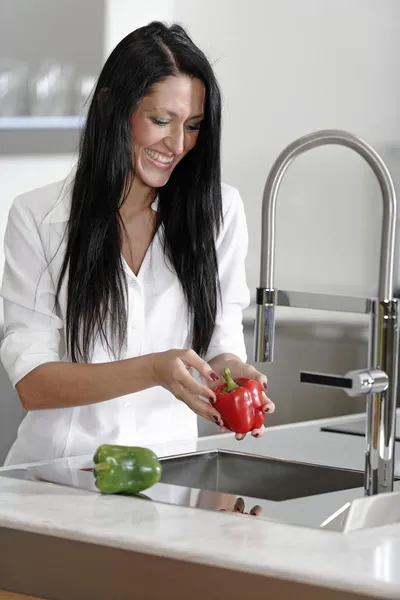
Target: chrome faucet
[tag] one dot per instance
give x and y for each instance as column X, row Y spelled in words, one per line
column 379, row 380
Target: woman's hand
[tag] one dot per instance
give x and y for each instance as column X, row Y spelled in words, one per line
column 241, row 369
column 239, row 506
column 171, row 370
column 223, row 502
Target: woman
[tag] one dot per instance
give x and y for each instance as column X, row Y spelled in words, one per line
column 128, row 277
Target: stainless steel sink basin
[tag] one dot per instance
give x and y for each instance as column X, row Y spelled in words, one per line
column 255, row 476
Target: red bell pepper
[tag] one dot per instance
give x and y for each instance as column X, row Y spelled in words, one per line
column 240, row 403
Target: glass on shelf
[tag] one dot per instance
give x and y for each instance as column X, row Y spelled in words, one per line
column 13, row 87
column 50, row 89
column 52, row 95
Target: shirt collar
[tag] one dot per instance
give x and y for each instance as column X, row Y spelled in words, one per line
column 62, row 207
column 61, row 210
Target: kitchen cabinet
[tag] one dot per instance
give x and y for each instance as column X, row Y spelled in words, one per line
column 50, row 56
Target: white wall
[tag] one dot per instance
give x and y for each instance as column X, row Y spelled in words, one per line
column 289, row 67
column 123, row 16
column 286, row 68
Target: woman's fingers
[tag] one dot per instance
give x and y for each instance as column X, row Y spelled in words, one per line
column 193, row 360
column 239, row 505
column 258, row 432
column 252, row 373
column 256, row 510
column 268, row 406
column 262, row 379
column 194, row 387
column 199, row 406
column 194, row 393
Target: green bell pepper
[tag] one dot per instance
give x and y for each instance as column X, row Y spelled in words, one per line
column 125, row 469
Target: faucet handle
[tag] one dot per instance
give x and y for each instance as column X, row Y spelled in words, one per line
column 354, row 383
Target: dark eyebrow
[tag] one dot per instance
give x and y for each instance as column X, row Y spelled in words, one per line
column 173, row 114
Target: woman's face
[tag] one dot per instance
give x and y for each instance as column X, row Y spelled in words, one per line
column 165, row 127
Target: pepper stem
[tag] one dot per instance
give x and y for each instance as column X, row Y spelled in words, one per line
column 230, row 384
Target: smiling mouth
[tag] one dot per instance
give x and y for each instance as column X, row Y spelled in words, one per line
column 159, row 159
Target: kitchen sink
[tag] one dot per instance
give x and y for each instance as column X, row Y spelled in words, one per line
column 285, row 491
column 255, row 476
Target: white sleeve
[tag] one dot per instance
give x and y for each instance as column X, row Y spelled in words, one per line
column 31, row 325
column 232, row 244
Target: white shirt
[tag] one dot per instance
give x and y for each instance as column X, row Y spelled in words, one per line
column 34, row 247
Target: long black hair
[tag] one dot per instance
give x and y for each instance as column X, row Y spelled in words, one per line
column 190, row 206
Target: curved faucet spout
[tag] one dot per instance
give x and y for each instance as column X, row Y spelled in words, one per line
column 301, row 145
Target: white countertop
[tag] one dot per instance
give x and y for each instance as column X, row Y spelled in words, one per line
column 363, row 561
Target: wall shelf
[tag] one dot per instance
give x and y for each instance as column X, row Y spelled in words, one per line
column 30, row 122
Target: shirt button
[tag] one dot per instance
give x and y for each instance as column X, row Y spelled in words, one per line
column 127, row 405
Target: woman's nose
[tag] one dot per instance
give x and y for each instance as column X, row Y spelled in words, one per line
column 176, row 142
